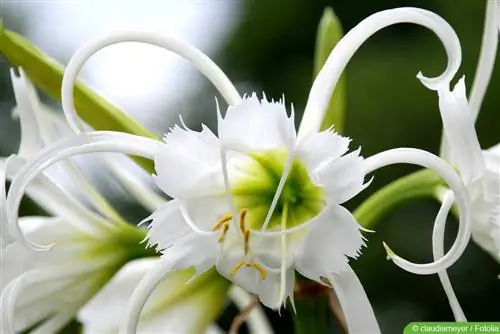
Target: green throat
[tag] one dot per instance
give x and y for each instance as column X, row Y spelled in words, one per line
column 303, row 198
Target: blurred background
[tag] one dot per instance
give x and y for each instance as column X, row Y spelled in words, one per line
column 268, row 46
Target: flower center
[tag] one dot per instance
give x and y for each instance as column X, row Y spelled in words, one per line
column 254, row 191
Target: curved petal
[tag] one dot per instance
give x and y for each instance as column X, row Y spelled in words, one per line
column 330, row 243
column 179, row 46
column 429, row 160
column 187, row 158
column 51, row 198
column 99, row 141
column 458, row 125
column 321, row 148
column 258, row 125
column 133, row 182
column 438, row 252
column 326, row 80
column 342, row 178
column 105, row 312
column 180, row 256
column 354, row 302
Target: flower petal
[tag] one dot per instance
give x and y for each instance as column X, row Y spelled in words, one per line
column 354, row 302
column 187, row 159
column 133, row 181
column 342, row 178
column 26, row 102
column 105, row 312
column 438, row 252
column 50, row 197
column 320, row 148
column 180, row 256
column 458, row 125
column 334, row 237
column 258, row 125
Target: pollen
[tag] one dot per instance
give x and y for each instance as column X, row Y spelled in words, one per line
column 222, row 222
column 255, row 265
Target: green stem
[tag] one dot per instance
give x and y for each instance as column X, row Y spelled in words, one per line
column 416, row 185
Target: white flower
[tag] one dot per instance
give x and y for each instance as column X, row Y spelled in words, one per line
column 90, row 243
column 479, row 169
column 259, row 201
column 175, row 307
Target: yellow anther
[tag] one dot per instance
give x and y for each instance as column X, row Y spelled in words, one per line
column 243, row 214
column 246, row 237
column 222, row 237
column 222, row 222
column 256, row 266
column 237, row 267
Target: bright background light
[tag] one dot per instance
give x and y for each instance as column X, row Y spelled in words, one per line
column 142, row 79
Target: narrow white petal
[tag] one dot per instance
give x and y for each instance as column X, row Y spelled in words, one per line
column 257, row 320
column 104, row 141
column 50, row 197
column 257, row 125
column 438, row 252
column 458, row 125
column 27, row 104
column 55, row 323
column 487, row 57
column 333, row 238
column 135, row 185
column 324, row 84
column 179, row 46
column 429, row 160
column 354, row 303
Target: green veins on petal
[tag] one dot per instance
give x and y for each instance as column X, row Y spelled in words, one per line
column 255, row 191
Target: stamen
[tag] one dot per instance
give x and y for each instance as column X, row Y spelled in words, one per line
column 237, row 267
column 243, row 214
column 224, row 232
column 246, row 237
column 223, row 221
column 255, row 265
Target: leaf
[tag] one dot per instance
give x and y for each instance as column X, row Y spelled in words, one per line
column 329, row 33
column 47, row 74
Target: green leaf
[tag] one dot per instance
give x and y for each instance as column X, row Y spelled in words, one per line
column 47, row 74
column 329, row 33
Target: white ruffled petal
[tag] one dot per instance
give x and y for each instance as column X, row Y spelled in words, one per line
column 183, row 165
column 343, row 178
column 257, row 125
column 461, row 137
column 320, row 148
column 334, row 237
column 354, row 303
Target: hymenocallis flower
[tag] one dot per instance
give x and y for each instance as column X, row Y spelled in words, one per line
column 259, row 201
column 44, row 291
column 175, row 307
column 479, row 169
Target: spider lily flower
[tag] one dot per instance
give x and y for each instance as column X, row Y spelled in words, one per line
column 480, row 169
column 44, row 291
column 259, row 201
column 175, row 306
